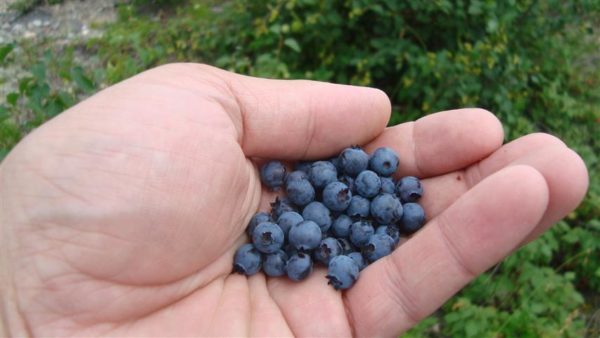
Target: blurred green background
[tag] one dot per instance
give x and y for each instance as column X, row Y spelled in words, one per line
column 535, row 64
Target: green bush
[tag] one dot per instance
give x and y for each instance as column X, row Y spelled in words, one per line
column 531, row 62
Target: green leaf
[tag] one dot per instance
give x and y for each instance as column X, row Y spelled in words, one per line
column 5, row 50
column 12, row 98
column 293, row 44
column 81, row 80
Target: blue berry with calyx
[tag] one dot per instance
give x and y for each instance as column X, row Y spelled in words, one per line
column 384, row 161
column 258, row 218
column 349, row 181
column 318, row 213
column 287, row 220
column 322, row 173
column 305, row 235
column 413, row 218
column 281, row 205
column 341, row 226
column 342, row 272
column 391, row 231
column 386, row 209
column 360, row 232
column 300, row 192
column 353, row 160
column 346, row 245
column 367, row 184
column 388, row 185
column 337, row 196
column 359, row 207
column 272, row 174
column 295, row 175
column 299, row 266
column 274, row 264
column 409, row 189
column 268, row 237
column 327, row 249
column 358, row 258
column 247, row 260
column 378, row 246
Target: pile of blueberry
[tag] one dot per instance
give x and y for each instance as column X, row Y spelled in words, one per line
column 344, row 213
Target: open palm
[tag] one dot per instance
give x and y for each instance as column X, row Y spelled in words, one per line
column 121, row 216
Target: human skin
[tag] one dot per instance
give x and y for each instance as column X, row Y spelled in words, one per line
column 120, row 217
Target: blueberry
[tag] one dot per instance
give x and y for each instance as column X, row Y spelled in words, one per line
column 358, row 258
column 327, row 249
column 268, row 237
column 360, row 232
column 389, row 230
column 346, row 246
column 299, row 266
column 305, row 235
column 295, row 176
column 342, row 272
column 386, row 208
column 281, row 205
column 300, row 192
column 322, row 173
column 409, row 189
column 303, row 166
column 287, row 220
column 388, row 185
column 341, row 226
column 318, row 213
column 337, row 196
column 359, row 207
column 367, row 184
column 258, row 218
column 384, row 161
column 413, row 218
column 353, row 160
column 379, row 245
column 274, row 264
column 247, row 260
column 272, row 174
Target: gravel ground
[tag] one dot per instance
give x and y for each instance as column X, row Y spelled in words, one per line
column 64, row 23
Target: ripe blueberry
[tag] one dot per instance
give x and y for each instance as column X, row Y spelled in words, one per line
column 300, row 192
column 299, row 266
column 274, row 264
column 342, row 272
column 359, row 207
column 360, row 232
column 353, row 160
column 247, row 260
column 305, row 235
column 384, row 161
column 268, row 237
column 327, row 249
column 386, row 209
column 337, row 196
column 413, row 218
column 409, row 189
column 322, row 173
column 341, row 226
column 272, row 174
column 367, row 184
column 379, row 245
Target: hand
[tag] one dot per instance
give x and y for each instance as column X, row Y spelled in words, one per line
column 120, row 217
